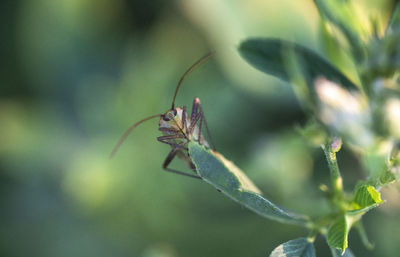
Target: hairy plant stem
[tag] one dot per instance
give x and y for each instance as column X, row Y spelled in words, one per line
column 330, row 150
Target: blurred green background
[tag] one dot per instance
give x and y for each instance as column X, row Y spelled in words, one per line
column 76, row 73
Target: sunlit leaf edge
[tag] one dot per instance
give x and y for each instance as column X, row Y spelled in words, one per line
column 212, row 170
column 366, row 198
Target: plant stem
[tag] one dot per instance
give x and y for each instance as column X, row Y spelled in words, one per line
column 330, row 150
column 363, row 235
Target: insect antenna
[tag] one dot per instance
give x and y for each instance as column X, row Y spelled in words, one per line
column 128, row 131
column 192, row 68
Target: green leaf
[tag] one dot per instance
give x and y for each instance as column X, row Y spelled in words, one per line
column 366, row 196
column 337, row 253
column 365, row 199
column 387, row 177
column 375, row 161
column 394, row 22
column 300, row 247
column 384, row 55
column 338, row 233
column 271, row 56
column 213, row 168
column 344, row 15
column 333, row 50
column 361, row 211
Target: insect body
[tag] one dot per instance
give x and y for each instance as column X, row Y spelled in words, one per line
column 178, row 128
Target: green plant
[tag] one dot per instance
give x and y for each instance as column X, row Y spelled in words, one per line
column 361, row 108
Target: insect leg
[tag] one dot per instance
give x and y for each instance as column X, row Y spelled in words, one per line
column 171, row 130
column 196, row 103
column 184, row 118
column 168, row 160
column 195, row 116
column 203, row 118
column 174, row 136
column 200, row 123
column 165, row 140
column 197, row 113
column 193, row 123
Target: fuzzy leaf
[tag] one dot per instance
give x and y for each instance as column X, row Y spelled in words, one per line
column 366, row 198
column 338, row 234
column 271, row 56
column 300, row 247
column 337, row 253
column 213, row 168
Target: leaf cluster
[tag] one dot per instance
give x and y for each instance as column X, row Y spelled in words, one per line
column 360, row 110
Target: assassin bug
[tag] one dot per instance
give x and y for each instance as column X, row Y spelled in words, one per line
column 178, row 129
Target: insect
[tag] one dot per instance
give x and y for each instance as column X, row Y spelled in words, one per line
column 178, row 129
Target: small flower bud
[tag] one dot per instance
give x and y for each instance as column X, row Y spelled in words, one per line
column 336, row 144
